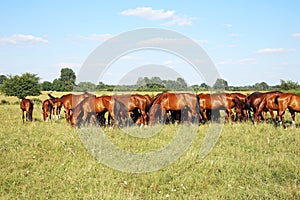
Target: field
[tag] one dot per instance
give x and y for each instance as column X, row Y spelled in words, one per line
column 49, row 161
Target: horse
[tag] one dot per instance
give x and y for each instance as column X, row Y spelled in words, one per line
column 89, row 110
column 187, row 103
column 26, row 105
column 288, row 101
column 92, row 108
column 267, row 104
column 240, row 107
column 56, row 108
column 253, row 101
column 47, row 108
column 135, row 104
column 216, row 102
column 70, row 101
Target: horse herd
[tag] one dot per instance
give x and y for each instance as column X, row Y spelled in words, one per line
column 166, row 107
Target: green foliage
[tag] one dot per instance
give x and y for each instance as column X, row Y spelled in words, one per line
column 220, row 84
column 67, row 78
column 261, row 86
column 156, row 84
column 57, row 85
column 47, row 86
column 2, row 78
column 288, row 85
column 85, row 87
column 21, row 86
column 37, row 101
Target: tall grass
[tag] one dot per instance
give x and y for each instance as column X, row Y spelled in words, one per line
column 48, row 160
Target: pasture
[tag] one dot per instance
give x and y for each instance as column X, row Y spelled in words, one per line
column 48, row 160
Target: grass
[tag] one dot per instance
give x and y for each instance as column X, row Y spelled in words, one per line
column 48, row 160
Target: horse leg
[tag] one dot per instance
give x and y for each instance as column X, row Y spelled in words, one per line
column 23, row 116
column 272, row 115
column 293, row 117
column 144, row 118
column 281, row 116
column 231, row 115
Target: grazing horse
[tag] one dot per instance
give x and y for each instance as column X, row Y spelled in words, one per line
column 240, row 107
column 268, row 103
column 135, row 104
column 288, row 101
column 187, row 103
column 26, row 105
column 213, row 102
column 70, row 101
column 253, row 101
column 88, row 110
column 56, row 108
column 47, row 108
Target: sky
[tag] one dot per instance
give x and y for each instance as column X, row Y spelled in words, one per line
column 248, row 41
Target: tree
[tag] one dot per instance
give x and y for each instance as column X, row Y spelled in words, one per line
column 181, row 82
column 67, row 78
column 220, row 84
column 57, row 85
column 204, row 85
column 47, row 86
column 261, row 86
column 85, row 87
column 288, row 85
column 2, row 78
column 21, row 86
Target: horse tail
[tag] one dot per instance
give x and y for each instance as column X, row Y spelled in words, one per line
column 247, row 103
column 51, row 97
column 49, row 107
column 198, row 104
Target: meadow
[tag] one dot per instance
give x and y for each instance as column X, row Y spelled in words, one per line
column 49, row 161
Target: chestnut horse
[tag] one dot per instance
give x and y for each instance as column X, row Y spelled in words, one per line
column 26, row 105
column 216, row 102
column 268, row 103
column 288, row 101
column 253, row 101
column 89, row 109
column 56, row 106
column 240, row 107
column 47, row 108
column 187, row 103
column 70, row 101
column 134, row 105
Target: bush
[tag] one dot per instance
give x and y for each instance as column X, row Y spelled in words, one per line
column 37, row 101
column 4, row 102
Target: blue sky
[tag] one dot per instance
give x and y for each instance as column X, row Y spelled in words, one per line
column 248, row 41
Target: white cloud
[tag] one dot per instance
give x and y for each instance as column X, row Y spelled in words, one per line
column 238, row 62
column 150, row 14
column 228, row 25
column 296, row 35
column 96, row 37
column 21, row 39
column 273, row 50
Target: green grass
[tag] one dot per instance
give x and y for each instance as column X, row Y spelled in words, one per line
column 48, row 160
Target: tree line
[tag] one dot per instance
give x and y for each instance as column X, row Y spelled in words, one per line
column 29, row 84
